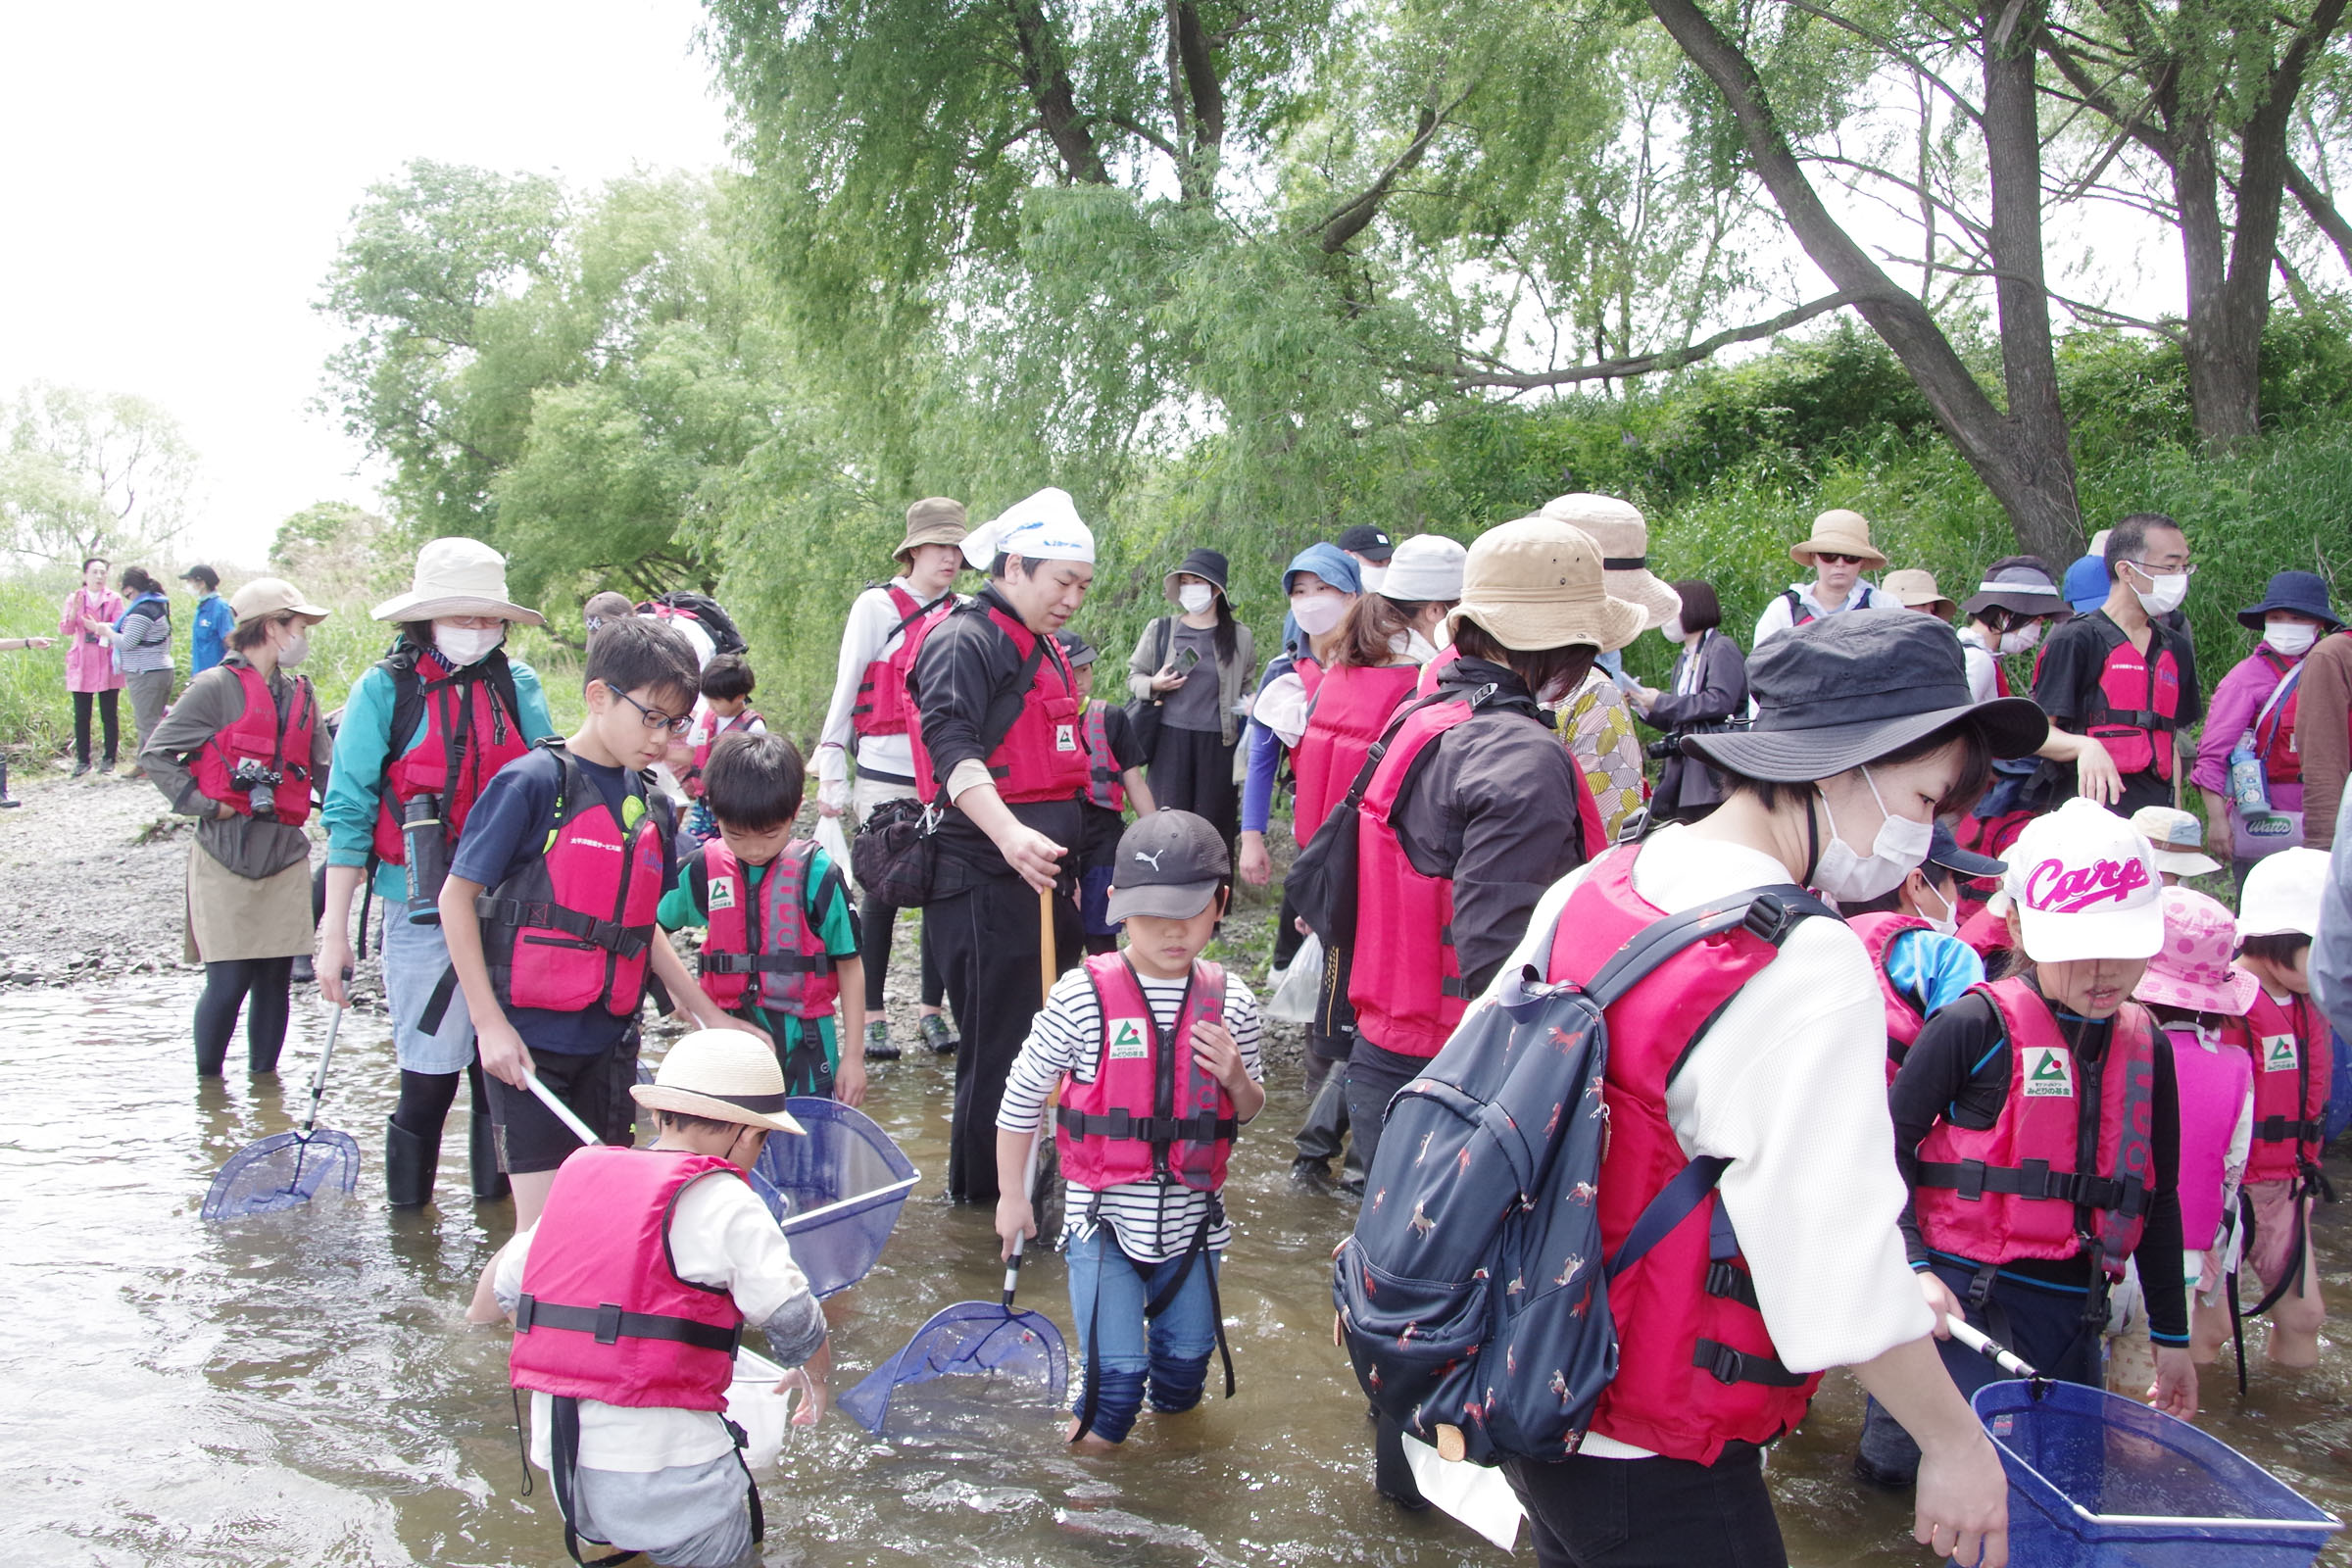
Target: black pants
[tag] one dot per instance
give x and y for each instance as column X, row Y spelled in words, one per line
column 1374, row 1075
column 1287, row 935
column 987, row 939
column 877, row 922
column 1191, row 770
column 263, row 988
column 110, row 706
column 1589, row 1512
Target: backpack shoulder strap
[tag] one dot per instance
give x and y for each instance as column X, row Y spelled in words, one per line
column 1771, row 913
column 1354, row 798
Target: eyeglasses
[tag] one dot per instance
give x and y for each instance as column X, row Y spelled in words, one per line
column 1829, row 559
column 653, row 719
column 2185, row 569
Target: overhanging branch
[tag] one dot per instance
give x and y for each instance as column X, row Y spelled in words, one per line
column 1663, row 360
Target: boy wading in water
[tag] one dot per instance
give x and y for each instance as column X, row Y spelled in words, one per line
column 1144, row 1148
column 629, row 1426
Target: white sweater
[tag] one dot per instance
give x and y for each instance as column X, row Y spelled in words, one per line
column 1790, row 1087
column 872, row 626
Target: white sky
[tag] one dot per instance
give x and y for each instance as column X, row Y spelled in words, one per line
column 178, row 178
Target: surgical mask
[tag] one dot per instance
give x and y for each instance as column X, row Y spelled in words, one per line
column 2165, row 592
column 2018, row 639
column 1849, row 876
column 295, row 650
column 2290, row 637
column 1949, row 925
column 467, row 645
column 1672, row 631
column 1373, row 574
column 1317, row 614
column 1195, row 596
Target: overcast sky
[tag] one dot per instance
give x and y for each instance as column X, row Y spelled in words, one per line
column 178, row 176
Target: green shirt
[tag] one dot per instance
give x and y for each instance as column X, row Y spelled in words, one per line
column 825, row 901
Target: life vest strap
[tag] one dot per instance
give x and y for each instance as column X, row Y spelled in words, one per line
column 766, row 964
column 2287, row 1130
column 1204, row 1128
column 1733, row 1284
column 2137, row 719
column 1972, row 1179
column 1725, row 1364
column 609, row 1324
column 624, row 940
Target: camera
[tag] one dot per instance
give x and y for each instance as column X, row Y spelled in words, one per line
column 1665, row 750
column 260, row 784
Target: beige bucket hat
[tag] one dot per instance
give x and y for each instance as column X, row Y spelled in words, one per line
column 1618, row 528
column 458, row 576
column 1839, row 532
column 725, row 1074
column 1914, row 589
column 1536, row 583
column 270, row 596
column 933, row 521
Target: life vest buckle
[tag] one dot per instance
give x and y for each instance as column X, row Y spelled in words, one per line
column 524, row 1310
column 2034, row 1180
column 1770, row 918
column 1969, row 1188
column 608, row 1323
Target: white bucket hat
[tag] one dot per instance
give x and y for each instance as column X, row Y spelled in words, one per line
column 2177, row 838
column 1618, row 528
column 2284, row 893
column 458, row 576
column 725, row 1074
column 1426, row 568
column 2085, row 885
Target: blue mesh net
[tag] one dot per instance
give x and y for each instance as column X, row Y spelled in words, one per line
column 971, row 1338
column 284, row 1170
column 837, row 1191
column 2099, row 1481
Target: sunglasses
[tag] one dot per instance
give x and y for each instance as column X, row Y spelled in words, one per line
column 1829, row 559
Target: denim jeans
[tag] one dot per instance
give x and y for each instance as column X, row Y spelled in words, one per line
column 415, row 959
column 1108, row 1292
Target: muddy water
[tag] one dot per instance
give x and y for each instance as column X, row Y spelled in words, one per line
column 304, row 1390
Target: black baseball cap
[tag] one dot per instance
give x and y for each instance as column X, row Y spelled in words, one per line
column 1943, row 850
column 1835, row 694
column 1074, row 648
column 1169, row 867
column 1373, row 544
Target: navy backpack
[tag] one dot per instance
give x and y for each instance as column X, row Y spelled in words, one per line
column 1488, row 1161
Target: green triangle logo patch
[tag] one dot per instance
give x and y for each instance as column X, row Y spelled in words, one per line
column 2278, row 1053
column 1128, row 1041
column 2050, row 1073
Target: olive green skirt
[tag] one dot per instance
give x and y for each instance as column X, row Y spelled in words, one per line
column 233, row 916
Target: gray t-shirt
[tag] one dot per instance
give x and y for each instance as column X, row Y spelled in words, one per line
column 1193, row 704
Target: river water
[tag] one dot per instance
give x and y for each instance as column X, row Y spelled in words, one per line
column 304, row 1389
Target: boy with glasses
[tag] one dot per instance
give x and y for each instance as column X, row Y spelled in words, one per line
column 1839, row 550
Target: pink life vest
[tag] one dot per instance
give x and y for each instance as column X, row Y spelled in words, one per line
column 1904, row 1021
column 604, row 1315
column 762, row 950
column 1149, row 1112
column 882, row 706
column 2134, row 709
column 1406, row 982
column 1042, row 756
column 692, row 783
column 1348, row 710
column 1697, row 1367
column 466, row 721
column 2292, row 1065
column 1106, row 786
column 2212, row 1077
column 574, row 927
column 1435, row 670
column 2274, row 730
column 260, row 735
column 2013, row 1190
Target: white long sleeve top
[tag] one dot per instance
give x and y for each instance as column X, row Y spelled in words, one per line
column 872, row 629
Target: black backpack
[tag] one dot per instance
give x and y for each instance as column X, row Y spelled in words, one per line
column 702, row 608
column 1473, row 1297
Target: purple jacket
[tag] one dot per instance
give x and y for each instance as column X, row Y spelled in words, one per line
column 2230, row 713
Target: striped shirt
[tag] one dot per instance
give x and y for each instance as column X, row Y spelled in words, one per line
column 144, row 644
column 1152, row 1223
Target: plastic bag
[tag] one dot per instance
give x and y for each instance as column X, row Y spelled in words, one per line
column 1294, row 999
column 836, row 844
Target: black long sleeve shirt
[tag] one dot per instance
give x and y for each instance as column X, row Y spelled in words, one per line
column 1960, row 1069
column 967, row 682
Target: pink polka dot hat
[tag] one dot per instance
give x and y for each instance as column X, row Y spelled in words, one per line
column 2193, row 969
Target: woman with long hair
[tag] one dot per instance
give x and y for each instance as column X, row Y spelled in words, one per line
column 90, row 672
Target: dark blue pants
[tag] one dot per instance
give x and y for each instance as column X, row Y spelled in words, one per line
column 1589, row 1512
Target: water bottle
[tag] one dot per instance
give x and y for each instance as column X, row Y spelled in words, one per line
column 421, row 830
column 2249, row 784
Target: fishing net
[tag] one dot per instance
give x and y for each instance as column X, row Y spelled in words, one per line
column 971, row 1338
column 836, row 1191
column 283, row 1171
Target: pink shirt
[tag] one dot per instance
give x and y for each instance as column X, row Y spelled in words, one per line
column 89, row 661
column 2235, row 703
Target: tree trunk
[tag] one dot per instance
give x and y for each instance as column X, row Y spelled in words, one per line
column 2013, row 459
column 1047, row 81
column 2224, row 370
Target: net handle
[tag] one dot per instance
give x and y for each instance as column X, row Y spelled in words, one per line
column 327, row 1054
column 560, row 1110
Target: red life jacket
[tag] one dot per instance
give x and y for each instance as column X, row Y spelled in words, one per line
column 1904, row 1021
column 762, row 950
column 261, row 735
column 604, row 1314
column 882, row 706
column 2211, row 1085
column 1148, row 1113
column 579, row 917
column 1105, row 784
column 1348, row 709
column 1697, row 1369
column 2292, row 1065
column 1435, row 670
column 2132, row 709
column 692, row 783
column 1042, row 756
column 2011, row 1191
column 2274, row 731
column 453, row 727
column 1985, row 932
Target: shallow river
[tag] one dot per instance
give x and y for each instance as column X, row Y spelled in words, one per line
column 304, row 1390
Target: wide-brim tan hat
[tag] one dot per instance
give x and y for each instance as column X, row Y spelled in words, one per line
column 1535, row 583
column 1618, row 528
column 1914, row 589
column 933, row 521
column 1840, row 532
column 725, row 1074
column 271, row 596
column 458, row 576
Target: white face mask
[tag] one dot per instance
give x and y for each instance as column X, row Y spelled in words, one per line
column 1949, row 925
column 467, row 645
column 2165, row 592
column 1848, row 875
column 2293, row 638
column 1672, row 631
column 2018, row 639
column 1195, row 596
column 297, row 649
column 1373, row 574
column 1317, row 614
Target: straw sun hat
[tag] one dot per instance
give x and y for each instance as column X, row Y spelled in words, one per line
column 725, row 1074
column 1618, row 528
column 457, row 576
column 1536, row 583
column 1839, row 532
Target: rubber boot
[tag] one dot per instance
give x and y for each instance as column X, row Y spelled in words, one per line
column 409, row 1162
column 7, row 801
column 1323, row 1133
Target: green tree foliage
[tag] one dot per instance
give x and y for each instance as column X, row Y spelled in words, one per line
column 90, row 473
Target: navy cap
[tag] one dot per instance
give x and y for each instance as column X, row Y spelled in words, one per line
column 1944, row 850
